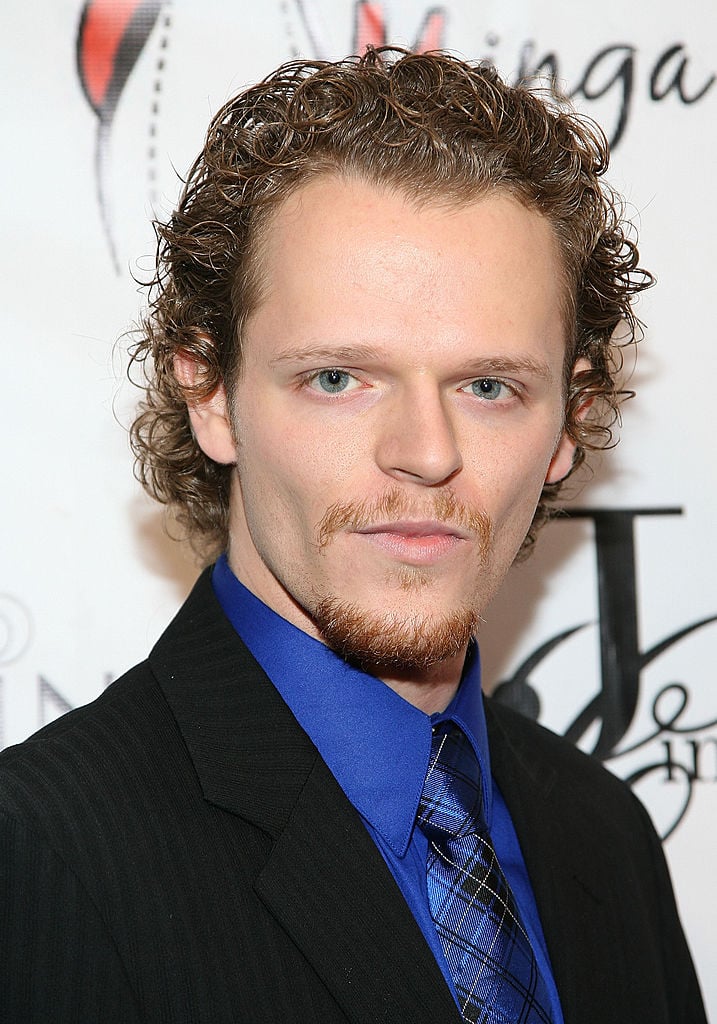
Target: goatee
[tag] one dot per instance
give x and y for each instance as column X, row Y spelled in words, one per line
column 400, row 642
column 387, row 642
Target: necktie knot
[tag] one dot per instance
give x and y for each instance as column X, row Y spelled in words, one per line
column 452, row 798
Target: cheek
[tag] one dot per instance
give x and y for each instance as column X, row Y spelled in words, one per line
column 306, row 464
column 285, row 489
column 512, row 470
column 511, row 489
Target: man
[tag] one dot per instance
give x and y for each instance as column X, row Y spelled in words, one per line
column 380, row 336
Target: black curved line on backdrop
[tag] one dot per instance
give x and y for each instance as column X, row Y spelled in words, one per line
column 598, row 707
column 123, row 60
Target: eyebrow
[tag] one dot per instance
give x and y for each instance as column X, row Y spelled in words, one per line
column 327, row 354
column 490, row 365
column 481, row 366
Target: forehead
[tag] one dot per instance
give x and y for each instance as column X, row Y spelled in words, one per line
column 342, row 255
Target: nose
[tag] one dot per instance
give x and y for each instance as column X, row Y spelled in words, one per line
column 417, row 440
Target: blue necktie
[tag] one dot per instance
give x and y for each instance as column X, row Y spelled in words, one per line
column 488, row 951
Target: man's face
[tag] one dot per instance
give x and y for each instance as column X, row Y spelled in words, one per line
column 398, row 410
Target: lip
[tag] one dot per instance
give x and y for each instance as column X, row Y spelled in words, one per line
column 415, row 528
column 423, row 542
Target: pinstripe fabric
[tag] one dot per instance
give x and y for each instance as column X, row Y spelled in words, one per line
column 487, row 948
column 178, row 853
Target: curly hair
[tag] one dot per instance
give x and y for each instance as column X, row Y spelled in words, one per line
column 431, row 125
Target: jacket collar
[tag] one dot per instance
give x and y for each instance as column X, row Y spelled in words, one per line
column 572, row 879
column 328, row 887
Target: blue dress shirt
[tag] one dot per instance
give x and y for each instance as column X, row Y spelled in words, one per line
column 377, row 746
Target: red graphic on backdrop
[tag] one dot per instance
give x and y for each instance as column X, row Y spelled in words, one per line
column 110, row 38
column 371, row 30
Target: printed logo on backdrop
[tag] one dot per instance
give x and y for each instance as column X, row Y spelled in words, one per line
column 110, row 38
column 113, row 33
column 17, row 632
column 671, row 747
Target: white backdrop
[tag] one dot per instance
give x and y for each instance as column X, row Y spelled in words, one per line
column 87, row 580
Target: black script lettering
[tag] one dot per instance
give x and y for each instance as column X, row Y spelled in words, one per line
column 517, row 692
column 620, row 657
column 673, row 696
column 611, row 73
column 661, row 70
column 621, row 660
column 671, row 765
column 683, row 770
column 546, row 67
column 614, row 66
column 698, row 748
column 669, row 722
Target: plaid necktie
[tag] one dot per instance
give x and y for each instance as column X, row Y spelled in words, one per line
column 487, row 948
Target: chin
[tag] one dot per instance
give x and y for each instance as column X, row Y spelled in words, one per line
column 374, row 640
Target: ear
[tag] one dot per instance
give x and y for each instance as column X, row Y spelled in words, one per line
column 210, row 418
column 562, row 460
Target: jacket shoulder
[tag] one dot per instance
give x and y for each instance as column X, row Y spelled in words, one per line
column 599, row 875
column 551, row 758
column 87, row 759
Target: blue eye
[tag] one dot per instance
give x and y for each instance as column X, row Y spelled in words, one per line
column 488, row 387
column 332, row 382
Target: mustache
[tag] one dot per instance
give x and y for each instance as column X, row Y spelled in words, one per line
column 442, row 506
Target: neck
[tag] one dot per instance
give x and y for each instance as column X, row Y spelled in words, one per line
column 432, row 689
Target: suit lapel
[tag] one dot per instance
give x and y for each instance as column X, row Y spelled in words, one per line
column 331, row 890
column 568, row 875
column 324, row 881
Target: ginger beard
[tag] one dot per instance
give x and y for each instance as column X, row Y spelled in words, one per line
column 405, row 643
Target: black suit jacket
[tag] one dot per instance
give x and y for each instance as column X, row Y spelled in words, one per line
column 178, row 851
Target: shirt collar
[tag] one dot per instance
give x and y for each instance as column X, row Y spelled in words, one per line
column 375, row 743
